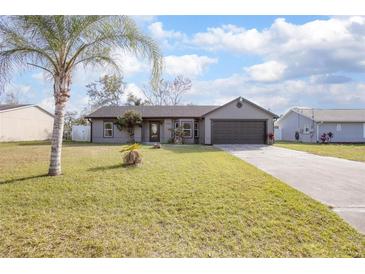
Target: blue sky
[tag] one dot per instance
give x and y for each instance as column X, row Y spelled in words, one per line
column 276, row 61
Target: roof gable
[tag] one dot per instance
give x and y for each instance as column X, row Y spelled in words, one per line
column 246, row 101
column 11, row 107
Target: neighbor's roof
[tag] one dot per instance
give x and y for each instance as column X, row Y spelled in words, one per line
column 11, row 106
column 152, row 111
column 332, row 115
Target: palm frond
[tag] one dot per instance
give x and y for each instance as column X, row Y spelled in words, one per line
column 59, row 43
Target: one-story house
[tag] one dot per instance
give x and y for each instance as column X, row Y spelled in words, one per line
column 238, row 121
column 346, row 125
column 25, row 123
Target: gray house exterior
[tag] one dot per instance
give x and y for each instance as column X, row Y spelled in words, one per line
column 238, row 121
column 346, row 125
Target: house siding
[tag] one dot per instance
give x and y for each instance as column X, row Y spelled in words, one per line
column 25, row 124
column 202, row 131
column 293, row 122
column 231, row 111
column 350, row 132
column 119, row 137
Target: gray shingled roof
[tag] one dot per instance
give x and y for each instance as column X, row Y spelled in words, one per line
column 11, row 106
column 333, row 115
column 152, row 111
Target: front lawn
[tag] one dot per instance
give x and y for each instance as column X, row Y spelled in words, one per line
column 355, row 152
column 184, row 201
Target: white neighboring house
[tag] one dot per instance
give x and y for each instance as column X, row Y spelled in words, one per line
column 25, row 123
column 346, row 125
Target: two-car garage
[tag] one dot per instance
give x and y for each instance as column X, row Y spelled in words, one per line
column 238, row 131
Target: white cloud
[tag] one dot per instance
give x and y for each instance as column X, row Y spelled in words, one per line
column 131, row 64
column 166, row 38
column 230, row 37
column 187, row 65
column 22, row 93
column 267, row 72
column 278, row 96
column 142, row 20
column 317, row 47
column 132, row 88
column 157, row 31
column 47, row 103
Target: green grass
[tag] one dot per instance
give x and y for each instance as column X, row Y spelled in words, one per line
column 184, row 201
column 355, row 152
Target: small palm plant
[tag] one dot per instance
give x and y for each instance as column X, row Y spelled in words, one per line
column 131, row 155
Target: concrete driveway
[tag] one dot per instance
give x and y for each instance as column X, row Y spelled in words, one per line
column 338, row 183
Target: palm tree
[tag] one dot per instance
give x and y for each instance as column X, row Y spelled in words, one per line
column 58, row 44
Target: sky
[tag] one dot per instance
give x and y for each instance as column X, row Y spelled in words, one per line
column 277, row 62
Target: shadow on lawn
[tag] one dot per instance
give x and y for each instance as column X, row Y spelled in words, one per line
column 103, row 168
column 189, row 148
column 16, row 180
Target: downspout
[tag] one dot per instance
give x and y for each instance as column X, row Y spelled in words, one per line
column 91, row 130
column 317, row 133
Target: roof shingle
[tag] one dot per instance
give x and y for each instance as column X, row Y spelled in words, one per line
column 11, row 106
column 333, row 115
column 152, row 111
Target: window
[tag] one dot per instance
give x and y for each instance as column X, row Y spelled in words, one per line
column 187, row 128
column 196, row 130
column 306, row 129
column 338, row 127
column 108, row 129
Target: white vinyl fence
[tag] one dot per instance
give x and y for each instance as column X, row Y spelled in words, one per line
column 81, row 133
column 277, row 134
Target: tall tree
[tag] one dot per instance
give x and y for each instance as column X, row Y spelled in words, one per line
column 59, row 44
column 168, row 92
column 10, row 97
column 107, row 91
column 177, row 88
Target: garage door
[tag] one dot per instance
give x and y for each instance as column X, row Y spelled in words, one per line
column 238, row 132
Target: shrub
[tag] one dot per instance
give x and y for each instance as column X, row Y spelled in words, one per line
column 131, row 155
column 297, row 135
column 326, row 137
column 178, row 135
column 129, row 121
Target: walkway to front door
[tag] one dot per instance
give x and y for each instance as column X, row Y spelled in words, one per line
column 336, row 182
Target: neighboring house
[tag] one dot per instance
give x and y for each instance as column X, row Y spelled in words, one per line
column 238, row 121
column 24, row 123
column 346, row 125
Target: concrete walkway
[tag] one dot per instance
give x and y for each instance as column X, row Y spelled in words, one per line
column 338, row 183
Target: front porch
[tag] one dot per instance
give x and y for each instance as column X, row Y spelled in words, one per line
column 161, row 130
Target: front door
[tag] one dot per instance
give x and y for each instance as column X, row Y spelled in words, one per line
column 154, row 132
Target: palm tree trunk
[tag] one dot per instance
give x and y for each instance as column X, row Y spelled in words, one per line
column 61, row 93
column 56, row 145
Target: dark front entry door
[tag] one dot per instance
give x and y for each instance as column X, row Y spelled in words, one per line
column 154, row 132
